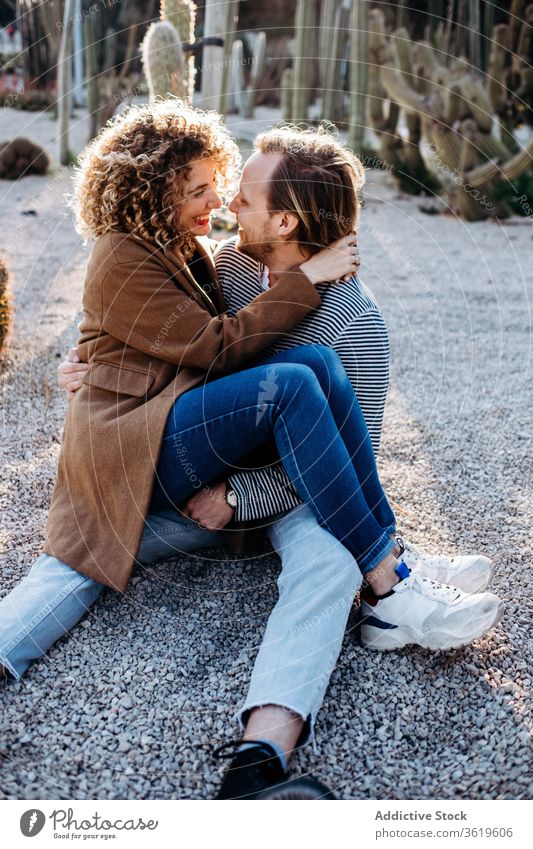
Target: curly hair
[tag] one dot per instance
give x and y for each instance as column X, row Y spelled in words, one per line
column 131, row 176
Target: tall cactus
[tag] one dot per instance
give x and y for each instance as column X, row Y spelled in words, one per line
column 286, row 94
column 237, row 93
column 453, row 110
column 5, row 310
column 305, row 26
column 63, row 83
column 213, row 57
column 256, row 73
column 475, row 33
column 91, row 73
column 232, row 9
column 331, row 46
column 182, row 15
column 358, row 73
column 401, row 155
column 163, row 62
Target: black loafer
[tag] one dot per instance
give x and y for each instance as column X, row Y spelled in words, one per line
column 257, row 773
column 298, row 788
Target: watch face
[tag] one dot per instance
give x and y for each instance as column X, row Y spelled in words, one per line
column 231, row 498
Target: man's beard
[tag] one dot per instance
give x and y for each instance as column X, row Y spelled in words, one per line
column 261, row 249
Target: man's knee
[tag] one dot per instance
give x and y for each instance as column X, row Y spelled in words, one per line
column 312, row 556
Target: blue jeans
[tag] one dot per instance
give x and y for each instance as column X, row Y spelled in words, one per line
column 305, row 401
column 304, row 633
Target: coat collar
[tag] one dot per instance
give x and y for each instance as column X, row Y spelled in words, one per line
column 215, row 299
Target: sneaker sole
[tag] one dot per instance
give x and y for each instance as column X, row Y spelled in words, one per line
column 377, row 639
column 298, row 788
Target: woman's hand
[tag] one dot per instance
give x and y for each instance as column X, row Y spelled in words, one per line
column 339, row 261
column 70, row 373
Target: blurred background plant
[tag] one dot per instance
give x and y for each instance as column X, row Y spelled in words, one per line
column 438, row 92
column 5, row 308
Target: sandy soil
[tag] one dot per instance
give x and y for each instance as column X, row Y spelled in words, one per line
column 117, row 710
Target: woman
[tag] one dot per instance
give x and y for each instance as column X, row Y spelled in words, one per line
column 160, row 412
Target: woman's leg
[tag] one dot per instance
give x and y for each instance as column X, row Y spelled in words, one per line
column 210, row 428
column 343, row 403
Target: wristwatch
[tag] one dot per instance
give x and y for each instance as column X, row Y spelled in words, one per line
column 231, row 498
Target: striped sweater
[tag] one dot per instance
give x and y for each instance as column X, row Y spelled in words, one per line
column 350, row 322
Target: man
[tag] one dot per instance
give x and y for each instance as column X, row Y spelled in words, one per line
column 297, row 192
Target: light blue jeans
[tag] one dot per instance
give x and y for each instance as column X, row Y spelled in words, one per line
column 318, row 581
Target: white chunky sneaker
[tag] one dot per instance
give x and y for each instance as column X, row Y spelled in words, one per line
column 427, row 614
column 470, row 573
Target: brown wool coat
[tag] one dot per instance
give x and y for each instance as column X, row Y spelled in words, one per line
column 150, row 334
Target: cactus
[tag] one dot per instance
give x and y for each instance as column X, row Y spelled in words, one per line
column 238, row 92
column 358, row 73
column 286, row 94
column 21, row 157
column 5, row 307
column 63, row 82
column 403, row 156
column 232, row 8
column 305, row 26
column 519, row 163
column 163, row 62
column 182, row 15
column 257, row 70
column 509, row 71
column 214, row 57
column 452, row 108
column 328, row 30
column 474, row 24
column 330, row 54
column 91, row 73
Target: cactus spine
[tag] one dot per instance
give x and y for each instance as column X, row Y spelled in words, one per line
column 182, row 15
column 162, row 58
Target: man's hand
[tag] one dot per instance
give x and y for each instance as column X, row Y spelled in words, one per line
column 70, row 373
column 209, row 509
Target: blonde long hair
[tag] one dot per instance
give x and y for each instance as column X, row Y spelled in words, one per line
column 317, row 179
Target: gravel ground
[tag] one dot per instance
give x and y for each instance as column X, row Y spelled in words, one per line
column 132, row 702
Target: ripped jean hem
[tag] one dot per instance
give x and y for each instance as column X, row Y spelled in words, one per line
column 307, row 734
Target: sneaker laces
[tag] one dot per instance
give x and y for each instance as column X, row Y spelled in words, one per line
column 432, row 589
column 401, row 545
column 415, row 555
column 233, row 747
